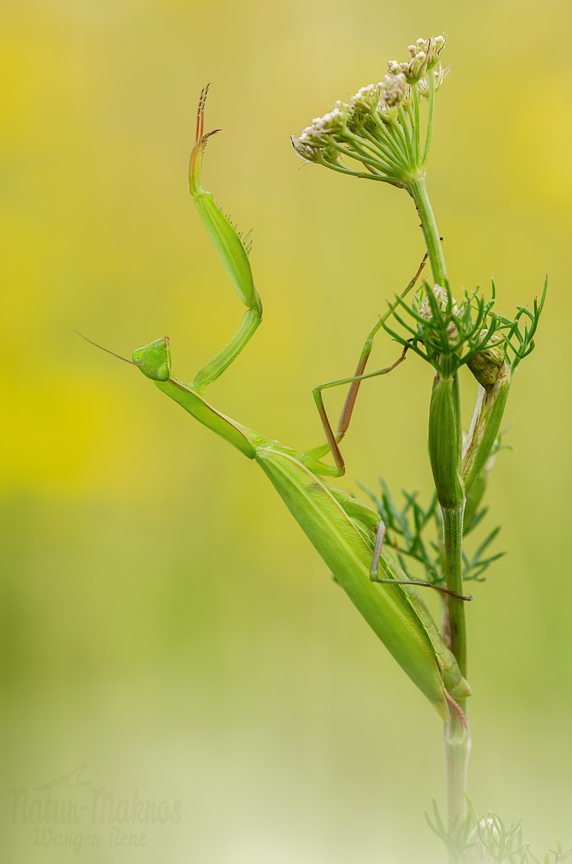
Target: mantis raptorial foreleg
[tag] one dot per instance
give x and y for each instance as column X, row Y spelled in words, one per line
column 232, row 248
column 355, row 382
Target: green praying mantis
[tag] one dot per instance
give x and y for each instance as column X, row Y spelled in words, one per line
column 346, row 533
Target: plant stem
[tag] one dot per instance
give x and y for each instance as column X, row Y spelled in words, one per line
column 457, row 739
column 452, row 548
column 457, row 745
column 418, row 191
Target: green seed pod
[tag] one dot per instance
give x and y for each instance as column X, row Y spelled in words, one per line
column 475, row 495
column 445, row 442
column 494, row 375
column 486, row 366
column 486, row 425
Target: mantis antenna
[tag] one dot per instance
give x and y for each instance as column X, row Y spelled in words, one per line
column 107, row 351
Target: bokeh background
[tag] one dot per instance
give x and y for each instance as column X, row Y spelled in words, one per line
column 165, row 623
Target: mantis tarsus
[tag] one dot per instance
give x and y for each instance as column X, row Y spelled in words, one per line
column 341, row 528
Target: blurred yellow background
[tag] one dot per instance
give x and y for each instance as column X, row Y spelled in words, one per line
column 165, row 622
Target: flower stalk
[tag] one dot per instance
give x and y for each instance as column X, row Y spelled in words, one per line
column 457, row 736
column 445, row 452
column 418, row 191
column 384, row 133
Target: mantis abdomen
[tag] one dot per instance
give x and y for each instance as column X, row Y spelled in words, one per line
column 337, row 540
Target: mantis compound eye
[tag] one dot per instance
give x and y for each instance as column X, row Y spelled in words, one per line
column 154, row 360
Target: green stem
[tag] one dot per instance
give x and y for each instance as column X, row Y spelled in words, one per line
column 430, row 117
column 383, row 145
column 457, row 738
column 403, row 130
column 457, row 745
column 418, row 191
column 416, row 142
column 349, row 171
column 453, row 550
column 363, row 156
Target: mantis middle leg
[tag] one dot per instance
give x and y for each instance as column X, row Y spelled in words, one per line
column 355, row 382
column 333, row 439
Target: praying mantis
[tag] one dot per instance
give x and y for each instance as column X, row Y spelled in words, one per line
column 345, row 532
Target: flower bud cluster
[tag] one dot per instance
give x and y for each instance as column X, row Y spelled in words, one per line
column 366, row 99
column 448, row 305
column 379, row 126
column 485, row 835
column 322, row 127
column 394, row 89
column 370, row 106
column 442, row 297
column 314, row 143
column 425, row 55
column 439, row 75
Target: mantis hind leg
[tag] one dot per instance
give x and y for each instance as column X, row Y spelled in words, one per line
column 374, row 576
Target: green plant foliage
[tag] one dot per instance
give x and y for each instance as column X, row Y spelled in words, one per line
column 486, row 840
column 448, row 335
column 414, row 534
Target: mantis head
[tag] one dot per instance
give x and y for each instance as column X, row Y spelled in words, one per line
column 154, row 360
